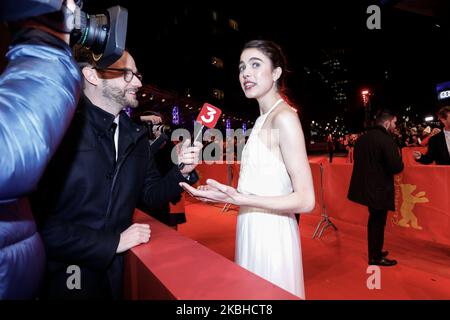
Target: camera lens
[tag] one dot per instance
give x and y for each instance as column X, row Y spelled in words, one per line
column 165, row 129
column 93, row 31
column 104, row 34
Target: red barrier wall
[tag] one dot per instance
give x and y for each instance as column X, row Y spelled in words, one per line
column 315, row 170
column 422, row 201
column 407, row 155
column 217, row 172
column 172, row 266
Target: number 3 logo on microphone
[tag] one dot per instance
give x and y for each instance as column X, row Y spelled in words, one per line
column 211, row 112
column 209, row 115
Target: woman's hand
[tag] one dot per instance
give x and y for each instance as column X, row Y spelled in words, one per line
column 214, row 191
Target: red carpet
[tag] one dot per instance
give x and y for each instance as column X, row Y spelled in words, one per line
column 335, row 266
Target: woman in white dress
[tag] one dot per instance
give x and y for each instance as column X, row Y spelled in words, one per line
column 275, row 180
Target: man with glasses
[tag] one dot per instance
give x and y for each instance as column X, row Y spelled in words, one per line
column 128, row 74
column 88, row 194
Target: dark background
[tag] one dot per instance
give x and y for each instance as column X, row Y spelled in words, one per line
column 332, row 55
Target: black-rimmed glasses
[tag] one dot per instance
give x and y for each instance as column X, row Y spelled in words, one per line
column 128, row 74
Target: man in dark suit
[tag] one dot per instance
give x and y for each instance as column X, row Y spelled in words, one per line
column 88, row 194
column 161, row 147
column 377, row 159
column 438, row 145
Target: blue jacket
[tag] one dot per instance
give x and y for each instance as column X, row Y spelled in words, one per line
column 39, row 91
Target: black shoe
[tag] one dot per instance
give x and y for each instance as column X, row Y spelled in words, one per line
column 384, row 254
column 383, row 262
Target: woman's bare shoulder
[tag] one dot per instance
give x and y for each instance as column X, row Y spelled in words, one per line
column 284, row 116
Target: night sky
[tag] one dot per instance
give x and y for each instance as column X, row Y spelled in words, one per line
column 401, row 63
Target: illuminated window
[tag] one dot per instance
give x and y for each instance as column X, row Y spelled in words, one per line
column 233, row 24
column 217, row 62
column 218, row 94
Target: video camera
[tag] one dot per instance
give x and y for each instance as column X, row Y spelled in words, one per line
column 104, row 34
column 153, row 128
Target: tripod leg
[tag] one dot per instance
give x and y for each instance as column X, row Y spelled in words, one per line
column 317, row 228
column 327, row 224
column 226, row 207
column 321, row 231
column 325, row 219
column 331, row 223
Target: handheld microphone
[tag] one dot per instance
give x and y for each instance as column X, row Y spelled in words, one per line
column 208, row 116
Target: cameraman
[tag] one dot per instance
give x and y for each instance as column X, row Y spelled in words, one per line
column 170, row 213
column 39, row 90
column 156, row 137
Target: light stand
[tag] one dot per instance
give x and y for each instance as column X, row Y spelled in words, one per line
column 325, row 222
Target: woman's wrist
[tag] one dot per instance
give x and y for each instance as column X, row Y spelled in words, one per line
column 242, row 199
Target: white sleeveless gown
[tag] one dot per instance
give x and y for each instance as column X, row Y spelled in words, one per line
column 267, row 243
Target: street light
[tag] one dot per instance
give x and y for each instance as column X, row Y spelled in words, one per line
column 365, row 93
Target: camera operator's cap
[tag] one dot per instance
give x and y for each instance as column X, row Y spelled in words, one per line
column 85, row 55
column 12, row 10
column 122, row 61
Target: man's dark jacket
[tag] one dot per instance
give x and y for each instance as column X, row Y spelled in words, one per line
column 377, row 159
column 88, row 199
column 437, row 151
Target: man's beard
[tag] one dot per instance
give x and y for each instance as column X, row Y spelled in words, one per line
column 119, row 96
column 391, row 129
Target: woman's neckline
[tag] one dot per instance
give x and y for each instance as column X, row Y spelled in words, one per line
column 273, row 107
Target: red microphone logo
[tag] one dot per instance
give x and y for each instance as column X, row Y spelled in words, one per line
column 209, row 115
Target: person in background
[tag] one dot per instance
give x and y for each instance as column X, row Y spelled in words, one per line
column 438, row 144
column 377, row 158
column 173, row 212
column 330, row 147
